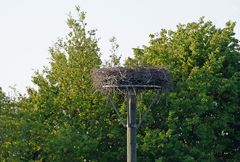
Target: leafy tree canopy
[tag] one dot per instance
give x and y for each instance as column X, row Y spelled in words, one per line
column 66, row 119
column 199, row 119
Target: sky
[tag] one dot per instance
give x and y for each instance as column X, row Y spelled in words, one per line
column 29, row 27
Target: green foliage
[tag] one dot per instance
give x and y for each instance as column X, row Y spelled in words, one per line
column 8, row 127
column 199, row 119
column 65, row 119
column 115, row 58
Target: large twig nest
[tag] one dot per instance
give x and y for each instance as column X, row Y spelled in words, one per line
column 121, row 79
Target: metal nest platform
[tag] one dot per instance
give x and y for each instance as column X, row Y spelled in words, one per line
column 128, row 81
column 122, row 79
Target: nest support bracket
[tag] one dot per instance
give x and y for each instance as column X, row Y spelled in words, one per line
column 141, row 119
column 117, row 112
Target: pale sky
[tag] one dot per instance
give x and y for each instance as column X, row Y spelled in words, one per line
column 29, row 27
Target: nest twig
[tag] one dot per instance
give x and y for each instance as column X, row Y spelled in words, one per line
column 121, row 79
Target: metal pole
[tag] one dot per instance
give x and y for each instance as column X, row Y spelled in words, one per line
column 131, row 127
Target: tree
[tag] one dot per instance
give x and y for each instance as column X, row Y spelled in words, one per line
column 199, row 119
column 65, row 118
column 115, row 58
column 8, row 127
column 4, row 108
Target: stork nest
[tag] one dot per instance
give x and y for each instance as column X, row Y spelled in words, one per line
column 121, row 79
